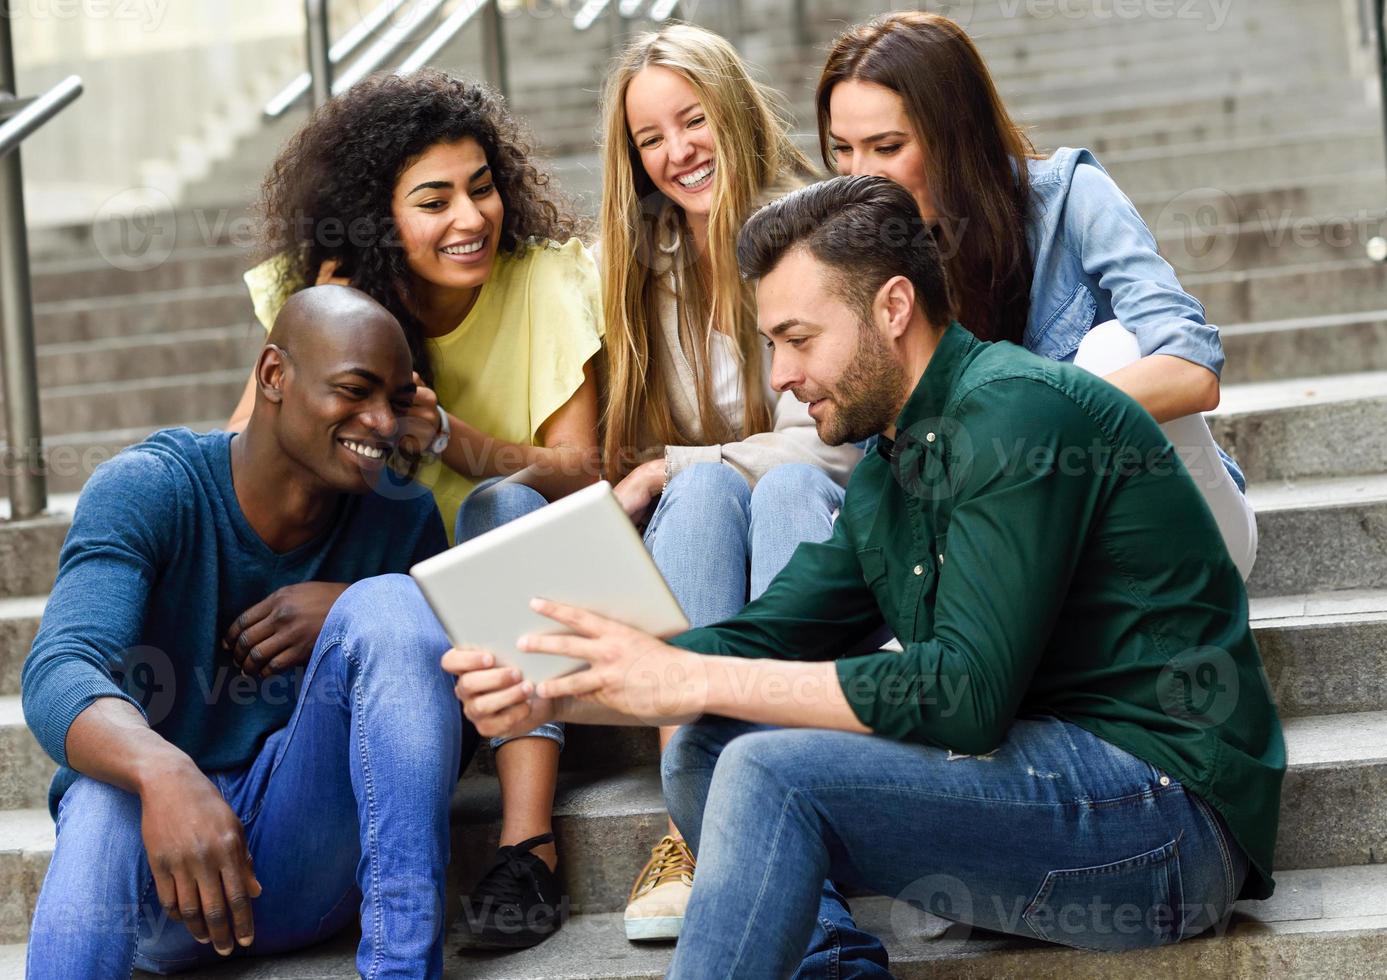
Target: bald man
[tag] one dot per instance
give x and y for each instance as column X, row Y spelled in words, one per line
column 248, row 745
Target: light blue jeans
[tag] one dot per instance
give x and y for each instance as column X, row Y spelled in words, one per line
column 349, row 799
column 493, row 503
column 1057, row 835
column 719, row 543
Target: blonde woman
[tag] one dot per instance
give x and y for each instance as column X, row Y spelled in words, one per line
column 724, row 470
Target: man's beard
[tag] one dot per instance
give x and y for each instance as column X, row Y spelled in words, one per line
column 868, row 396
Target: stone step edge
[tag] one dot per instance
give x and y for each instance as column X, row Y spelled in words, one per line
column 1324, row 923
column 1312, row 742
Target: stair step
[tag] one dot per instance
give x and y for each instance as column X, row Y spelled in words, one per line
column 146, row 403
column 1325, row 653
column 1191, row 245
column 191, row 268
column 1319, row 535
column 25, row 769
column 1267, row 201
column 1203, row 164
column 19, row 621
column 74, row 456
column 152, row 312
column 122, row 359
column 1320, row 923
column 1305, row 427
column 1339, row 343
column 1334, row 807
column 1316, row 289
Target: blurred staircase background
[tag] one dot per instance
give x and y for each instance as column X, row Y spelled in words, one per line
column 1248, row 135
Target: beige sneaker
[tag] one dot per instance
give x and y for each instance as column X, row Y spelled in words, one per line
column 655, row 909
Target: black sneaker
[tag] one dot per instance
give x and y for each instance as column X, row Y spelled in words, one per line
column 518, row 903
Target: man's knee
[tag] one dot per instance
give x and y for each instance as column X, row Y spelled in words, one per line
column 99, row 843
column 383, row 607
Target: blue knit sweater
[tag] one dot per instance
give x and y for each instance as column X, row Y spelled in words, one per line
column 158, row 563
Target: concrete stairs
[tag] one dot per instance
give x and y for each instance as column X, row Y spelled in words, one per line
column 1263, row 180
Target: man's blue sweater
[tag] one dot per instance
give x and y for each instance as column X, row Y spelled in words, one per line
column 158, row 563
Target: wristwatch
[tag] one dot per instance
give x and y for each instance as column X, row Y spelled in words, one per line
column 445, row 433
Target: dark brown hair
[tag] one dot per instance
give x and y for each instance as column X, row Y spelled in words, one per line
column 328, row 195
column 865, row 229
column 975, row 155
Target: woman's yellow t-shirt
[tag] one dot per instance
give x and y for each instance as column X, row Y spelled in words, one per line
column 514, row 360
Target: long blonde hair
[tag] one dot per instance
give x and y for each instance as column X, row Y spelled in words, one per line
column 753, row 154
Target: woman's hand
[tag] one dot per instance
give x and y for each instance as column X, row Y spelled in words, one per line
column 327, row 274
column 497, row 700
column 629, row 671
column 638, row 490
column 420, row 426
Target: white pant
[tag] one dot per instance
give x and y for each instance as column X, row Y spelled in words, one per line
column 1109, row 347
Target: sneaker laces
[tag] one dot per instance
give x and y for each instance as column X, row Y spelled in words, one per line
column 671, row 860
column 512, row 876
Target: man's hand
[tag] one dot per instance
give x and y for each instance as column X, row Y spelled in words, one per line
column 280, row 632
column 629, row 671
column 420, row 426
column 197, row 851
column 497, row 700
column 639, row 488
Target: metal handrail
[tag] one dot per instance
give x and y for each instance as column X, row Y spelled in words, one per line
column 355, row 37
column 36, row 111
column 441, row 35
column 28, row 484
column 385, row 48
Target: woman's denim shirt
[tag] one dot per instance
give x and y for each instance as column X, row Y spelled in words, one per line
column 1095, row 260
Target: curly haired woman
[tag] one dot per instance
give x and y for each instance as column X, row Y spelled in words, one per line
column 420, row 191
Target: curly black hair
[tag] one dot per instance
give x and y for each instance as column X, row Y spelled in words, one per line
column 328, row 194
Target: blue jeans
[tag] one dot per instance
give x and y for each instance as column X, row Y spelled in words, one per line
column 491, row 504
column 718, row 542
column 349, row 799
column 1056, row 835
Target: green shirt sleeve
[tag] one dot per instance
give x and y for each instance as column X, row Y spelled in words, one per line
column 1021, row 515
column 817, row 608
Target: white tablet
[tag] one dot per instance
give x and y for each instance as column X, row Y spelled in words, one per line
column 582, row 550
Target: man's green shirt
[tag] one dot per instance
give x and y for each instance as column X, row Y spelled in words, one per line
column 1035, row 543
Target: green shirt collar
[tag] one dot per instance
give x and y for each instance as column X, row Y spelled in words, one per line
column 930, row 396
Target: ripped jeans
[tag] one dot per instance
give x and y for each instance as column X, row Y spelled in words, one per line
column 1057, row 835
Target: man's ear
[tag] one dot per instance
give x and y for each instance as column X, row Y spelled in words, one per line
column 270, row 372
column 894, row 306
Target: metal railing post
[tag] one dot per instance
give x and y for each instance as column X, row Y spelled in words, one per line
column 1380, row 37
column 319, row 63
column 494, row 67
column 28, row 485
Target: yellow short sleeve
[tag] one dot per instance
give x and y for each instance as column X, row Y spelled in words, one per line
column 566, row 325
column 267, row 291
